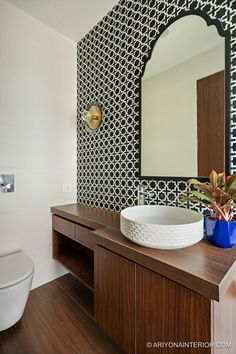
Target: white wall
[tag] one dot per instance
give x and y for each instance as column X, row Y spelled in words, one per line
column 37, row 133
column 169, row 116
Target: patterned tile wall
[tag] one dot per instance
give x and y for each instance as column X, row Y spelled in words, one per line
column 110, row 62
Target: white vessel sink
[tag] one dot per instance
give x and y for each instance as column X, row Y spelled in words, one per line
column 162, row 227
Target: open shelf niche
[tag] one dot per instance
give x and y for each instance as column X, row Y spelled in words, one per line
column 78, row 260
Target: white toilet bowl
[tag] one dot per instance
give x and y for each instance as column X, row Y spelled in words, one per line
column 16, row 274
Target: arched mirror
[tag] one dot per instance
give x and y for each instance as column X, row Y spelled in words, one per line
column 183, row 120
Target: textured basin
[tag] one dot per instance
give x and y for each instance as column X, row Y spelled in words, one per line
column 162, row 227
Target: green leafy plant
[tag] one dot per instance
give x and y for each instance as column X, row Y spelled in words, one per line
column 219, row 195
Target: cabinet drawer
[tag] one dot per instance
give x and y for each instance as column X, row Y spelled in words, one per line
column 63, row 226
column 84, row 236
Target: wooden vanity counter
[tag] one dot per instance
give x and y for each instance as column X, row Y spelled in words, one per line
column 203, row 268
column 93, row 218
column 139, row 295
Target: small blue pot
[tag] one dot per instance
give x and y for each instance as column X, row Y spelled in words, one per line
column 220, row 233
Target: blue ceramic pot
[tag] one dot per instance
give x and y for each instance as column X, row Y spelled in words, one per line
column 220, row 233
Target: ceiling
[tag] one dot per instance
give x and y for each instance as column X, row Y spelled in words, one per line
column 72, row 18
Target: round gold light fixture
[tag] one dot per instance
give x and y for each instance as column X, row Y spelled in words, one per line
column 92, row 117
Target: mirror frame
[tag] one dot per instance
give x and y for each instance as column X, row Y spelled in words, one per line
column 223, row 33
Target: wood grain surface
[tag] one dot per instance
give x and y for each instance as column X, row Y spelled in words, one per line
column 203, row 268
column 168, row 314
column 115, row 297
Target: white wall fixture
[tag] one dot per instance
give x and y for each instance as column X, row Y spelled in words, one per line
column 66, row 188
column 6, row 183
column 163, row 227
column 16, row 274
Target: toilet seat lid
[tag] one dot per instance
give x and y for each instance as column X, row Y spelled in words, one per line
column 14, row 268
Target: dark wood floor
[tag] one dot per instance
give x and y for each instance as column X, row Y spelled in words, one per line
column 54, row 323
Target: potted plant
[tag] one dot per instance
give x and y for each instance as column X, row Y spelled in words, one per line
column 219, row 196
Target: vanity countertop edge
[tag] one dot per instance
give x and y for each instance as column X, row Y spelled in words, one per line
column 202, row 268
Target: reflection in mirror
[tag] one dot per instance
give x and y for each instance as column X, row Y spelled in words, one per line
column 183, row 125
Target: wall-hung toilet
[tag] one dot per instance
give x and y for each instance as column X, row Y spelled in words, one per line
column 16, row 274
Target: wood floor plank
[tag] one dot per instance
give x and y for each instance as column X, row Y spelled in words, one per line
column 80, row 294
column 54, row 323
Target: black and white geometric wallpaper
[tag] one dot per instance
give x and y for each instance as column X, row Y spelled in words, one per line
column 110, row 62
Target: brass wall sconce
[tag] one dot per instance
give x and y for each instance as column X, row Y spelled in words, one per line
column 92, row 117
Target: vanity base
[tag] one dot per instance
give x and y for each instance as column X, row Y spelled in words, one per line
column 149, row 301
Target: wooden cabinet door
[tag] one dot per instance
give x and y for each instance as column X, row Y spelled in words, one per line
column 169, row 313
column 115, row 297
